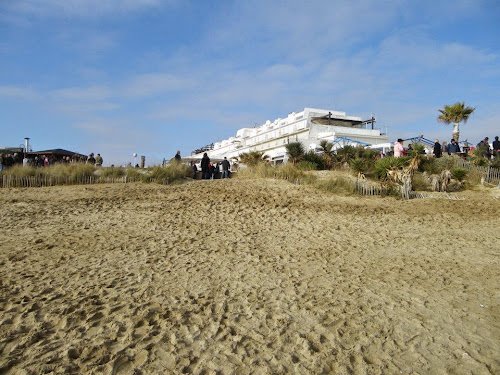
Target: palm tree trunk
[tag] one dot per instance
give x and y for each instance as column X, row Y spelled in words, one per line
column 456, row 131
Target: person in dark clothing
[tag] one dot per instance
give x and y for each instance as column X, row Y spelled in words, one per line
column 437, row 149
column 91, row 159
column 453, row 147
column 205, row 167
column 213, row 168
column 225, row 168
column 178, row 156
column 496, row 146
column 485, row 145
column 195, row 169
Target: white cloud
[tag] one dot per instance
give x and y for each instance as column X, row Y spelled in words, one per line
column 92, row 93
column 18, row 92
column 157, row 83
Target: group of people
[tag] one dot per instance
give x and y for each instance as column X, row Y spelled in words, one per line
column 209, row 169
column 453, row 148
column 39, row 161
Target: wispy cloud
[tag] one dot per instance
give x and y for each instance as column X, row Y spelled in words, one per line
column 86, row 8
column 18, row 92
column 157, row 83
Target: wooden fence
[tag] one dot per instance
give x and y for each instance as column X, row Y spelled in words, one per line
column 491, row 175
column 363, row 187
column 8, row 181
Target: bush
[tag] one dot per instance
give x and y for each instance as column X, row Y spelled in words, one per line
column 252, row 158
column 417, row 149
column 314, row 158
column 358, row 165
column 420, row 183
column 459, row 173
column 388, row 163
column 495, row 162
column 345, row 154
column 295, row 152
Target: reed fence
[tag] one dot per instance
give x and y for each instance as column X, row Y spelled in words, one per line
column 363, row 187
column 9, row 181
column 491, row 175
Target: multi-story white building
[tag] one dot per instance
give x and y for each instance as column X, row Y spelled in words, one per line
column 309, row 127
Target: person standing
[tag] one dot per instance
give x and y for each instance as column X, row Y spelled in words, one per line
column 91, row 159
column 437, row 149
column 496, row 146
column 399, row 150
column 195, row 169
column 225, row 168
column 178, row 156
column 205, row 167
column 453, row 147
column 98, row 160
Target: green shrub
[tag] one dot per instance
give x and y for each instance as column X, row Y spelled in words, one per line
column 315, row 158
column 479, row 160
column 345, row 154
column 429, row 165
column 420, row 183
column 417, row 149
column 252, row 158
column 388, row 163
column 495, row 162
column 358, row 165
column 295, row 152
column 459, row 173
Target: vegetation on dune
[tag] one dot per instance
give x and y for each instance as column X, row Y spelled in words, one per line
column 253, row 158
column 295, row 152
column 75, row 173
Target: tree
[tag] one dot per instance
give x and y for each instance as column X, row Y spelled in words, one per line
column 295, row 151
column 455, row 114
column 252, row 158
column 327, row 147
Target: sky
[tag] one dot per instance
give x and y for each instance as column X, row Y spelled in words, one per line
column 151, row 77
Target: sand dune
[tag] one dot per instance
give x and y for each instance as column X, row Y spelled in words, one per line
column 246, row 277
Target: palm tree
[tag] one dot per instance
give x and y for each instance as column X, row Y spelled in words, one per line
column 295, row 151
column 252, row 158
column 455, row 114
column 327, row 147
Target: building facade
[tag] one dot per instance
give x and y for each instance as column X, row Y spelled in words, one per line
column 309, row 127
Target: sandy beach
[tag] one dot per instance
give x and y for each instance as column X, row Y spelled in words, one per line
column 246, row 277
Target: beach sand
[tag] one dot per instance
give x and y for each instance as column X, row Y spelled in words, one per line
column 246, row 277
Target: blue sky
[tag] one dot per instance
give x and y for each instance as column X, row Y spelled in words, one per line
column 156, row 76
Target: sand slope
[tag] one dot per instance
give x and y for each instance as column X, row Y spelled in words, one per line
column 246, row 277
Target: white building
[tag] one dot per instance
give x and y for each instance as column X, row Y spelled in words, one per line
column 309, row 127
